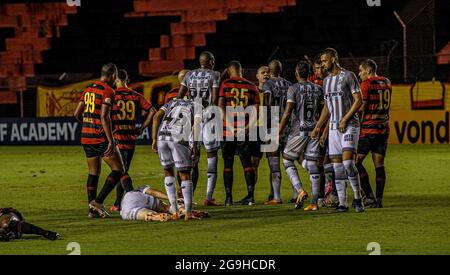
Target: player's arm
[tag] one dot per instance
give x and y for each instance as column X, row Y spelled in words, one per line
column 196, row 130
column 155, row 127
column 107, row 127
column 156, row 193
column 324, row 135
column 78, row 114
column 286, row 115
column 182, row 91
column 357, row 102
column 365, row 96
column 322, row 119
column 148, row 118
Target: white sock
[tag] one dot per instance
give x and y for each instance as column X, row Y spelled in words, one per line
column 292, row 173
column 353, row 177
column 187, row 189
column 341, row 185
column 314, row 177
column 171, row 190
column 212, row 177
column 274, row 165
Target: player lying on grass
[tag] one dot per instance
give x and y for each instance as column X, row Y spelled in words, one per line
column 13, row 226
column 144, row 204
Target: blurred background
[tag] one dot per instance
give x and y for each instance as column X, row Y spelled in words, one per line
column 51, row 50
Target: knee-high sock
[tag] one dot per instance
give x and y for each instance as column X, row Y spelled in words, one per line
column 212, row 177
column 111, row 181
column 28, row 228
column 322, row 181
column 187, row 189
column 314, row 177
column 228, row 176
column 329, row 178
column 341, row 186
column 119, row 194
column 171, row 190
column 91, row 186
column 275, row 172
column 291, row 170
column 353, row 177
column 381, row 181
column 194, row 176
column 126, row 182
column 249, row 174
column 364, row 178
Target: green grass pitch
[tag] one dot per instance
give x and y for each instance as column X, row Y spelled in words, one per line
column 47, row 184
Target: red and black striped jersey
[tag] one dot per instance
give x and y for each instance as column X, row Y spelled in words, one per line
column 171, row 94
column 94, row 96
column 238, row 92
column 376, row 91
column 128, row 105
column 314, row 79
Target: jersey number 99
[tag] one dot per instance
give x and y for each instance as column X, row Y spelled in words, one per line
column 89, row 102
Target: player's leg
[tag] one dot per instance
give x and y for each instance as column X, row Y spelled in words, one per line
column 23, row 227
column 312, row 156
column 150, row 215
column 94, row 164
column 364, row 145
column 349, row 141
column 273, row 159
column 168, row 163
column 211, row 153
column 228, row 152
column 335, row 154
column 183, row 162
column 243, row 149
column 378, row 155
column 127, row 157
column 291, row 153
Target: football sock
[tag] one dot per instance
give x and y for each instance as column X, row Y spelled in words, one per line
column 171, row 190
column 353, row 177
column 365, row 182
column 194, row 176
column 119, row 194
column 292, row 173
column 340, row 180
column 249, row 174
column 28, row 228
column 228, row 176
column 212, row 177
column 91, row 186
column 380, row 180
column 314, row 177
column 275, row 172
column 111, row 181
column 126, row 182
column 329, row 177
column 187, row 189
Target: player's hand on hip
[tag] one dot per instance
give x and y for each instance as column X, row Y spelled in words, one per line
column 323, row 139
column 155, row 145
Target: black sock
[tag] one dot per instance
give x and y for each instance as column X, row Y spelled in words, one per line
column 179, row 180
column 110, row 183
column 250, row 181
column 322, row 182
column 91, row 186
column 380, row 180
column 365, row 183
column 228, row 176
column 119, row 194
column 126, row 182
column 194, row 176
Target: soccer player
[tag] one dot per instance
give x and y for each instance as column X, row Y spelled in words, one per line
column 128, row 105
column 172, row 94
column 172, row 141
column 304, row 103
column 144, row 204
column 376, row 94
column 238, row 92
column 343, row 98
column 203, row 84
column 262, row 74
column 93, row 111
column 275, row 94
column 13, row 226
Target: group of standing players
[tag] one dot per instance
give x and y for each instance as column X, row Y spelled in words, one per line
column 327, row 120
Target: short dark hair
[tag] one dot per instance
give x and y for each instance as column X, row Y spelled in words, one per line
column 109, row 69
column 122, row 75
column 370, row 64
column 236, row 65
column 317, row 59
column 331, row 52
column 303, row 69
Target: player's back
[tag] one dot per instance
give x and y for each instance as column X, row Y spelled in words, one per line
column 94, row 96
column 177, row 121
column 277, row 87
column 338, row 90
column 377, row 93
column 308, row 100
column 200, row 84
column 128, row 105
